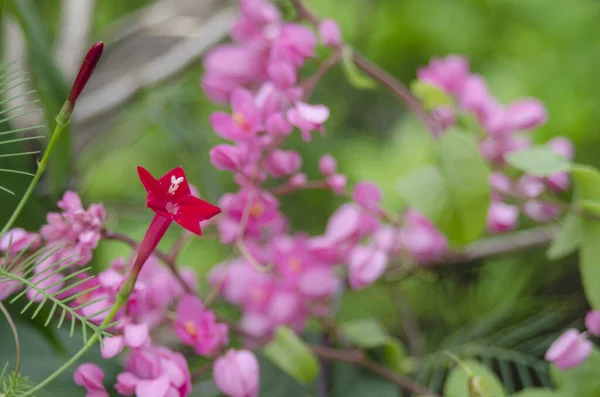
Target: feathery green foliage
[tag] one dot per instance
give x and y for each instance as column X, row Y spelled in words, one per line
column 10, row 79
column 19, row 269
column 14, row 383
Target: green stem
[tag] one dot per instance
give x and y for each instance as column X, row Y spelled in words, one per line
column 61, row 121
column 122, row 297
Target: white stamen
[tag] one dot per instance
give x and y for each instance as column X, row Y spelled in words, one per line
column 175, row 182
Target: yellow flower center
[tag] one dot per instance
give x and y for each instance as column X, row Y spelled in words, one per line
column 240, row 120
column 295, row 264
column 257, row 210
column 190, row 328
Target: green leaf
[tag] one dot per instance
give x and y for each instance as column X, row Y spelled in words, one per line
column 365, row 333
column 455, row 196
column 424, row 189
column 538, row 161
column 368, row 333
column 587, row 182
column 467, row 182
column 471, row 374
column 568, row 238
column 581, row 381
column 292, row 355
column 590, row 206
column 430, row 96
column 539, row 392
column 355, row 77
column 589, row 260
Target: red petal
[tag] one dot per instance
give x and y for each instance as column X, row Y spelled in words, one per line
column 191, row 211
column 150, row 183
column 182, row 188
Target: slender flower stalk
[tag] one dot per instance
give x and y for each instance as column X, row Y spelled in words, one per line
column 62, row 119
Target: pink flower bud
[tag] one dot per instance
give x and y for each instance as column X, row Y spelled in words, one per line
column 330, row 34
column 136, row 335
column 298, row 180
column 592, row 322
column 327, row 164
column 283, row 162
column 563, row 146
column 236, row 374
column 18, row 239
column 559, row 182
column 366, row 265
column 500, row 183
column 86, row 70
column 90, row 376
column 337, row 183
column 225, row 157
column 502, row 217
column 388, row 239
column 277, row 125
column 421, row 239
column 530, row 186
column 540, row 211
column 282, row 74
column 526, row 114
column 367, row 195
column 112, row 346
column 569, row 350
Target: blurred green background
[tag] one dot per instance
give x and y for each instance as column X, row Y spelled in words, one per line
column 543, row 48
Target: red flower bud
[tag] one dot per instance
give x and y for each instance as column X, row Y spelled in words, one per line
column 86, row 70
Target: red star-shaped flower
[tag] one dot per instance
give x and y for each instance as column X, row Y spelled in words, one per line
column 170, row 197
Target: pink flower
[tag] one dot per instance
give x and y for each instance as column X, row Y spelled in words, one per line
column 500, row 183
column 298, row 180
column 45, row 279
column 282, row 74
column 283, row 162
column 196, row 326
column 295, row 44
column 308, row 118
column 112, row 346
column 367, row 195
column 19, row 239
column 337, row 183
column 90, row 376
column 563, row 146
column 366, row 265
column 592, row 322
column 154, row 372
column 236, row 374
column 558, row 182
column 225, row 157
column 327, row 165
column 262, row 206
column 448, row 73
column 318, row 282
column 445, row 116
column 530, row 186
column 388, row 239
column 526, row 114
column 277, row 125
column 284, row 307
column 569, row 350
column 475, row 97
column 421, row 239
column 502, row 217
column 330, row 34
column 540, row 211
column 245, row 121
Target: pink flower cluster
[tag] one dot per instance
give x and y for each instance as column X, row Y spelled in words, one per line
column 503, row 128
column 283, row 277
column 70, row 238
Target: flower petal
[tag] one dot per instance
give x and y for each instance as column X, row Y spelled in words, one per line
column 191, row 211
column 136, row 335
column 150, row 183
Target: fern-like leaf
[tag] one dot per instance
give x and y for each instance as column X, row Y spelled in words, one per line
column 10, row 79
column 19, row 268
column 13, row 384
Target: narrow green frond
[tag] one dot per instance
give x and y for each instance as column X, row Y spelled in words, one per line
column 7, row 190
column 16, row 172
column 16, row 116
column 35, row 127
column 19, row 106
column 18, row 154
column 26, row 138
column 30, row 92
